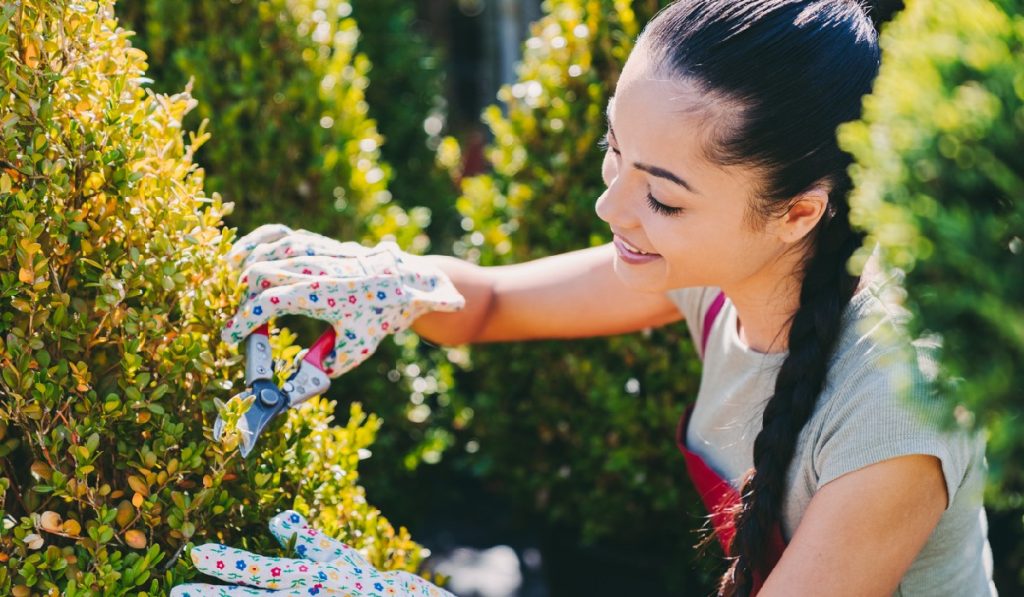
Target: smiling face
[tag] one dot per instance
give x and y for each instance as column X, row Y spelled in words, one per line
column 704, row 232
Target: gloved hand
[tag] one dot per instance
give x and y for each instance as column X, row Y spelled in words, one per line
column 365, row 293
column 270, row 242
column 328, row 567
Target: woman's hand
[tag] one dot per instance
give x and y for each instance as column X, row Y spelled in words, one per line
column 326, row 567
column 366, row 293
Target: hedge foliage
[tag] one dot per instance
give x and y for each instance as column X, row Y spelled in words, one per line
column 406, row 100
column 284, row 87
column 940, row 189
column 113, row 293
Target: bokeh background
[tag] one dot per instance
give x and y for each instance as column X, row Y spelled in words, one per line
column 468, row 128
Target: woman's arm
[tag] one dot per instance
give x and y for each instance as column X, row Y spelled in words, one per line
column 572, row 295
column 862, row 531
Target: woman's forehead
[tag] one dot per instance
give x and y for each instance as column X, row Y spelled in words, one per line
column 656, row 111
column 662, row 90
column 674, row 123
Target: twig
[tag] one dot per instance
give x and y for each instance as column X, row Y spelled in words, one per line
column 174, row 557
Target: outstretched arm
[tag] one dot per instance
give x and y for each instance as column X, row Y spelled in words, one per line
column 571, row 295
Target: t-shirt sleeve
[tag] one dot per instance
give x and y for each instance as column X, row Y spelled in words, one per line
column 888, row 410
column 693, row 303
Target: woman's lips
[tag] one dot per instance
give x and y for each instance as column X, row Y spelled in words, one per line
column 632, row 257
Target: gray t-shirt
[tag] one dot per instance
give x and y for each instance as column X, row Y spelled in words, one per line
column 859, row 420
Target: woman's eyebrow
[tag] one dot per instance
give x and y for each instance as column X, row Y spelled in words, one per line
column 652, row 170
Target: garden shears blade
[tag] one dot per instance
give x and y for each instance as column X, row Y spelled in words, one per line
column 270, row 400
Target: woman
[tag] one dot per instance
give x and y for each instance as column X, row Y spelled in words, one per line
column 724, row 179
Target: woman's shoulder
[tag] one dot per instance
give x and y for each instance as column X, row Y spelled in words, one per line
column 693, row 301
column 882, row 398
column 875, row 344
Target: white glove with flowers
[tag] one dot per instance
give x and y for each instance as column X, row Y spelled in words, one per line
column 327, row 567
column 364, row 292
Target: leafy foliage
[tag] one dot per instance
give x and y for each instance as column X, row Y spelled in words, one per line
column 940, row 191
column 405, row 100
column 940, row 177
column 283, row 86
column 292, row 66
column 113, row 293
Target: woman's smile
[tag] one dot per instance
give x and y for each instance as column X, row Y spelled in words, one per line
column 631, row 254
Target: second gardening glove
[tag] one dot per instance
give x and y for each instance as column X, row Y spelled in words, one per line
column 327, row 567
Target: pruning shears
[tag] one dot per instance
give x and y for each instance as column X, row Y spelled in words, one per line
column 309, row 379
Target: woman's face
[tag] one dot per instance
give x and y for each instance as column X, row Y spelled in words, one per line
column 705, row 235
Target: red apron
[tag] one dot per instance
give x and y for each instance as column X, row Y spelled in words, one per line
column 718, row 494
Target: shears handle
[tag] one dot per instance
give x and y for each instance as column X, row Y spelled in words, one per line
column 320, row 349
column 259, row 363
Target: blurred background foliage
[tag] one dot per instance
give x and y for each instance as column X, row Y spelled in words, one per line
column 580, row 433
column 332, row 116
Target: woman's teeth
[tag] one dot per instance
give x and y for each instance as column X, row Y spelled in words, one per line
column 636, row 250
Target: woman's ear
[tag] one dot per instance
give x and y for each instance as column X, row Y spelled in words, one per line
column 804, row 213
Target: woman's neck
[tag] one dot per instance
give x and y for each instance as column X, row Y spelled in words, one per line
column 765, row 304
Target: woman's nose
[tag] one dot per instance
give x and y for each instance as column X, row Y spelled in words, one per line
column 614, row 209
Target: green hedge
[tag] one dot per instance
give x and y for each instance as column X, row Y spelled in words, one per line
column 940, row 190
column 940, row 181
column 405, row 98
column 284, row 87
column 113, row 292
column 262, row 61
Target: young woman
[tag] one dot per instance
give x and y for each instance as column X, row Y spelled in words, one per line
column 723, row 175
column 727, row 198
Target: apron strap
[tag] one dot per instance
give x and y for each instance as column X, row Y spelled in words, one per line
column 717, row 494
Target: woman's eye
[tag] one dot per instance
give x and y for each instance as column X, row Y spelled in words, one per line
column 605, row 145
column 655, row 205
column 660, row 208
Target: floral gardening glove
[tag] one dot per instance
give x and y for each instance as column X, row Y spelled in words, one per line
column 328, row 567
column 365, row 293
column 271, row 242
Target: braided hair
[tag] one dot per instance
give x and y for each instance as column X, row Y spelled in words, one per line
column 794, row 70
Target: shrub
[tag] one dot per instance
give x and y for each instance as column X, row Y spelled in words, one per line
column 113, row 295
column 288, row 64
column 939, row 190
column 940, row 177
column 405, row 98
column 283, row 86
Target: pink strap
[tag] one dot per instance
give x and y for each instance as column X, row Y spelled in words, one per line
column 709, row 320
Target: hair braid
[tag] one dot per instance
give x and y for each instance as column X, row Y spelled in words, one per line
column 825, row 291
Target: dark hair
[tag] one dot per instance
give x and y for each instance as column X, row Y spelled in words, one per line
column 793, row 71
